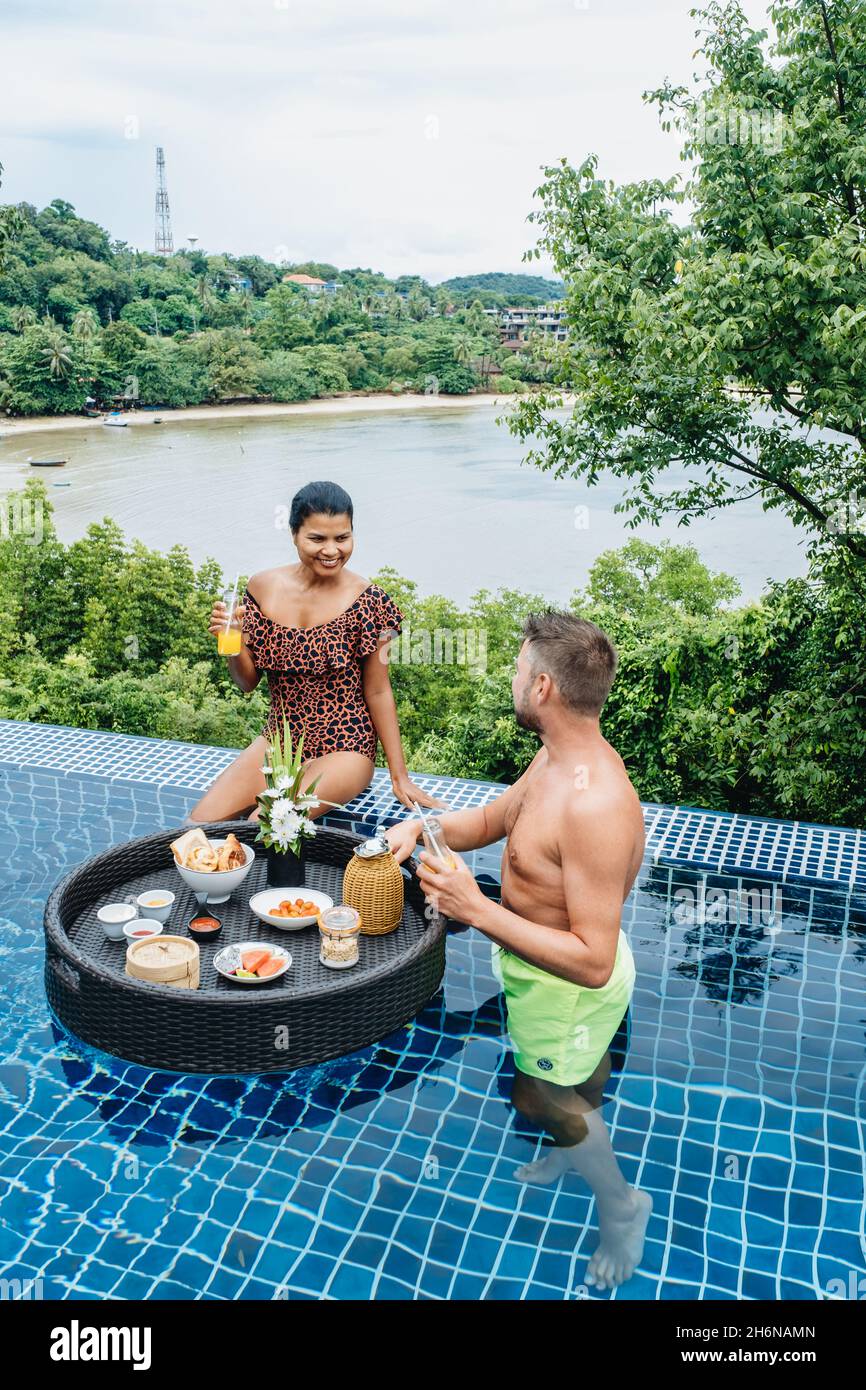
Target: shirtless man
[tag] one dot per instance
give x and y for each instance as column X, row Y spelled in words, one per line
column 575, row 840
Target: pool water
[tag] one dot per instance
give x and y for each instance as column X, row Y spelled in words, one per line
column 736, row 1101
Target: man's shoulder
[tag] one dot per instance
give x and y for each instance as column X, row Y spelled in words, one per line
column 598, row 797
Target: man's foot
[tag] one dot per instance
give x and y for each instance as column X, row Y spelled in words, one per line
column 622, row 1228
column 546, row 1169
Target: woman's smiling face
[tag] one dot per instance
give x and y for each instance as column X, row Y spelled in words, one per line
column 324, row 543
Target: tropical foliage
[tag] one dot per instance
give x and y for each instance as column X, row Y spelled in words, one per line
column 749, row 708
column 82, row 316
column 724, row 356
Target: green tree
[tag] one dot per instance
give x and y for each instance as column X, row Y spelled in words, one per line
column 287, row 322
column 647, row 582
column 11, row 224
column 85, row 327
column 283, row 376
column 463, row 349
column 417, row 304
column 708, row 361
column 231, row 360
column 169, row 373
column 40, row 371
column 22, row 317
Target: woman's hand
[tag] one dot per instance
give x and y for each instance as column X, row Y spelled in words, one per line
column 453, row 892
column 218, row 616
column 406, row 793
column 402, row 838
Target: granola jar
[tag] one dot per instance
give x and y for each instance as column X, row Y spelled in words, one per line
column 339, row 932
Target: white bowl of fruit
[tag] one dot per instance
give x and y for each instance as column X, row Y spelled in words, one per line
column 275, row 907
column 252, row 962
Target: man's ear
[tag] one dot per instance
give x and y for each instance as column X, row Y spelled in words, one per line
column 544, row 687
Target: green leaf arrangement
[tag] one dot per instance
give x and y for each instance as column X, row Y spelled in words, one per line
column 284, row 819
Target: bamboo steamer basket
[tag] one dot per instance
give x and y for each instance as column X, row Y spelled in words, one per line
column 165, row 960
column 373, row 886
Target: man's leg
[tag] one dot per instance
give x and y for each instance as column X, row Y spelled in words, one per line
column 572, row 1115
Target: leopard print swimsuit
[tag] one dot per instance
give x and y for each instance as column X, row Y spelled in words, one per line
column 314, row 673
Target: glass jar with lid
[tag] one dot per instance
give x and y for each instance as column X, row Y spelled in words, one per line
column 339, row 932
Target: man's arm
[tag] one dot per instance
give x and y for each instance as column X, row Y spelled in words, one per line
column 469, row 829
column 593, row 876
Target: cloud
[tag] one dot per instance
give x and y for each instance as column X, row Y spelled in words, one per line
column 409, row 138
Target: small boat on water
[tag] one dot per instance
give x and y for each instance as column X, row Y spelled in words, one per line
column 47, row 463
column 115, row 419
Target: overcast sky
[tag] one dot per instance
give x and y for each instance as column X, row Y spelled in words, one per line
column 404, row 135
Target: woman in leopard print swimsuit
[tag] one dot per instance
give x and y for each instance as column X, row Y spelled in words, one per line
column 315, row 628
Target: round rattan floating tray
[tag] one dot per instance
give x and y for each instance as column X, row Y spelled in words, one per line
column 308, row 1015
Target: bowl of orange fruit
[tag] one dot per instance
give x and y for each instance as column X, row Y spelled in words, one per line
column 279, row 908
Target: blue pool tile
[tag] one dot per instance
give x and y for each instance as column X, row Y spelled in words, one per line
column 741, row 1046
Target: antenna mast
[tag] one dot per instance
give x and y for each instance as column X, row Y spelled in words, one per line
column 164, row 243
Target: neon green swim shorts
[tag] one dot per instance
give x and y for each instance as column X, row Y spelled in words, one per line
column 561, row 1031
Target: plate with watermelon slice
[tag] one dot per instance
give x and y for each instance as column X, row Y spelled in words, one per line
column 252, row 962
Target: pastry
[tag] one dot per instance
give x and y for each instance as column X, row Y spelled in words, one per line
column 182, row 846
column 231, row 854
column 203, row 858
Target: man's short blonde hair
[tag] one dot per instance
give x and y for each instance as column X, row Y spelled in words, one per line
column 579, row 658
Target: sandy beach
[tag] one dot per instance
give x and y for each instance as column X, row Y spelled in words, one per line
column 334, row 405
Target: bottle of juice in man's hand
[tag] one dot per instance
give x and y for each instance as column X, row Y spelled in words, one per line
column 435, row 842
column 229, row 636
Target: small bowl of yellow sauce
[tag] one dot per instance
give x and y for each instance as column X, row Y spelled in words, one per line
column 155, row 904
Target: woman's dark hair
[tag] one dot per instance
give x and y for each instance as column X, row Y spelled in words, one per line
column 329, row 498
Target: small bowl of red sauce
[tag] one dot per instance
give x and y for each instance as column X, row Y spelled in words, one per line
column 140, row 927
column 204, row 926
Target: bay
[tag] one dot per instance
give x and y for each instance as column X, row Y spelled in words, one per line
column 440, row 495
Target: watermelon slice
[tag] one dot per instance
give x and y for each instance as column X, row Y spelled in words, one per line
column 252, row 960
column 270, row 967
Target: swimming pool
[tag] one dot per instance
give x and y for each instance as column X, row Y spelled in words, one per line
column 738, row 1100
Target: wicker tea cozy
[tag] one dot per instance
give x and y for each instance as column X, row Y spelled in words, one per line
column 373, row 886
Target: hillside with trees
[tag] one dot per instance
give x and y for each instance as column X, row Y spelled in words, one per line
column 84, row 316
column 498, row 290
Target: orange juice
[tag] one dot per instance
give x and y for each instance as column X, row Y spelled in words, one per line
column 229, row 641
column 435, row 844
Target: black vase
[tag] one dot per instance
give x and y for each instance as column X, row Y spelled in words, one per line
column 285, row 868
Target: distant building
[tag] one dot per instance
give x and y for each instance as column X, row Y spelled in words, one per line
column 516, row 324
column 311, row 283
column 240, row 283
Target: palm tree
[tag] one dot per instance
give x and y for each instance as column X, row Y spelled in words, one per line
column 204, row 293
column 22, row 317
column 85, row 327
column 463, row 349
column 56, row 354
column 475, row 316
column 417, row 303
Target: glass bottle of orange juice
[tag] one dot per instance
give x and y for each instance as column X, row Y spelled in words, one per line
column 435, row 842
column 229, row 636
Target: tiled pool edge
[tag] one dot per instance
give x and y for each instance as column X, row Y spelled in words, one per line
column 717, row 842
